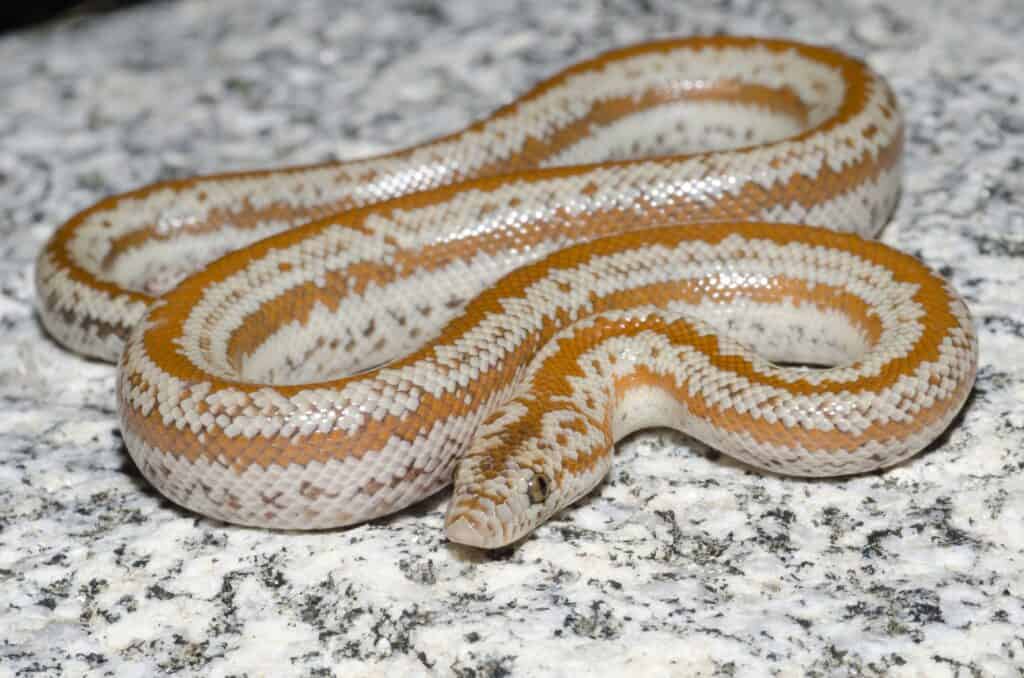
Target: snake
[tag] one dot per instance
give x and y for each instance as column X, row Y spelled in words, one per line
column 673, row 234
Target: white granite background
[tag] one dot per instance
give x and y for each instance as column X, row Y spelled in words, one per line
column 683, row 564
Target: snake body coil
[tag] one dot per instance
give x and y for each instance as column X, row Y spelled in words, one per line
column 503, row 304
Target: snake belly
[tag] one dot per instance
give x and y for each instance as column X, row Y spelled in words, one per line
column 616, row 249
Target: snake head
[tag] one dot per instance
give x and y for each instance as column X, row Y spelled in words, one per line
column 505, row 485
column 497, row 500
column 515, row 477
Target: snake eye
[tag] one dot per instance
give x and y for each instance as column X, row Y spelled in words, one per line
column 539, row 489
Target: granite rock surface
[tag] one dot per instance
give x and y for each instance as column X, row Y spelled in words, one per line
column 683, row 563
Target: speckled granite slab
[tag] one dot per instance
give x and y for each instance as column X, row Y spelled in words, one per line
column 683, row 563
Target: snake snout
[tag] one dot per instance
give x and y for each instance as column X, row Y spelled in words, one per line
column 466, row 524
column 463, row 530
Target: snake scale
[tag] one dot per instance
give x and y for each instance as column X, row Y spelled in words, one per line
column 670, row 234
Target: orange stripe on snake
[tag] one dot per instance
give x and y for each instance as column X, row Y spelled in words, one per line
column 503, row 304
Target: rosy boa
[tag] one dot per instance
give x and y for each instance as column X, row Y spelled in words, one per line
column 498, row 304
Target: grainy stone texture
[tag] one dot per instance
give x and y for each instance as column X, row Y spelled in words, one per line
column 683, row 563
